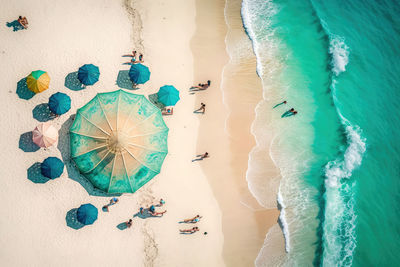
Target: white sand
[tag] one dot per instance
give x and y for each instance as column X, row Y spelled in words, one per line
column 62, row 36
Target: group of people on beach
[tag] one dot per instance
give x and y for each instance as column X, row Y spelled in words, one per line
column 153, row 213
column 23, row 21
column 133, row 56
column 288, row 113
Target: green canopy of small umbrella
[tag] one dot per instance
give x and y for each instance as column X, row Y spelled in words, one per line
column 168, row 95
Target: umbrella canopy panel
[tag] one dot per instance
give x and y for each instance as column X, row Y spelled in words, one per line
column 139, row 73
column 88, row 74
column 59, row 103
column 87, row 214
column 52, row 167
column 45, row 135
column 119, row 141
column 38, row 81
column 168, row 95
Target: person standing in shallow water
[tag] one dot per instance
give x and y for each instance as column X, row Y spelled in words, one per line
column 277, row 105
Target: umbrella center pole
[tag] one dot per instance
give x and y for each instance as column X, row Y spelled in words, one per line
column 117, row 142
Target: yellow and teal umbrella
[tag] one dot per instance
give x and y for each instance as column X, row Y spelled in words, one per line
column 38, row 81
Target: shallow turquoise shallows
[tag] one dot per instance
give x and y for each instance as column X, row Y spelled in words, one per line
column 339, row 157
column 119, row 141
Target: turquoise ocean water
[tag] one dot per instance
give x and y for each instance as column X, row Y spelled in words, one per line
column 338, row 64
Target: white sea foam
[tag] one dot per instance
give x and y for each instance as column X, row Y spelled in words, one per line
column 340, row 216
column 283, row 222
column 340, row 54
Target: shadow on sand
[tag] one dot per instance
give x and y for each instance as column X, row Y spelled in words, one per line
column 15, row 25
column 26, row 143
column 22, row 90
column 72, row 220
column 154, row 99
column 124, row 81
column 122, row 226
column 42, row 113
column 35, row 174
column 72, row 170
column 72, row 82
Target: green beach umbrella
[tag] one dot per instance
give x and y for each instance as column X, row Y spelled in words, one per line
column 59, row 103
column 87, row 214
column 168, row 95
column 52, row 167
column 139, row 73
column 119, row 141
column 88, row 74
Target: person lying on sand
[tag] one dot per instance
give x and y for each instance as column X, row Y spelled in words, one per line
column 167, row 111
column 193, row 220
column 193, row 230
column 202, row 86
column 158, row 214
column 141, row 58
column 128, row 223
column 113, row 201
column 201, row 157
column 23, row 21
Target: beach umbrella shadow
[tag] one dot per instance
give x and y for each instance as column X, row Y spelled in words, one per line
column 72, row 220
column 35, row 174
column 72, row 170
column 122, row 226
column 22, row 90
column 154, row 99
column 124, row 81
column 73, row 83
column 26, row 143
column 15, row 25
column 42, row 113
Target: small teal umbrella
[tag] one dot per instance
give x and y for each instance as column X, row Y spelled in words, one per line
column 168, row 95
column 59, row 103
column 88, row 74
column 139, row 73
column 52, row 167
column 87, row 214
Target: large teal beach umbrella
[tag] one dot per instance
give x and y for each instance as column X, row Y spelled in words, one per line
column 88, row 74
column 139, row 73
column 59, row 103
column 87, row 214
column 52, row 167
column 119, row 141
column 168, row 95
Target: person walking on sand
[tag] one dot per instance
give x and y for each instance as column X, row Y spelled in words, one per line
column 162, row 202
column 141, row 58
column 141, row 210
column 277, row 105
column 191, row 231
column 193, row 220
column 128, row 223
column 201, row 86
